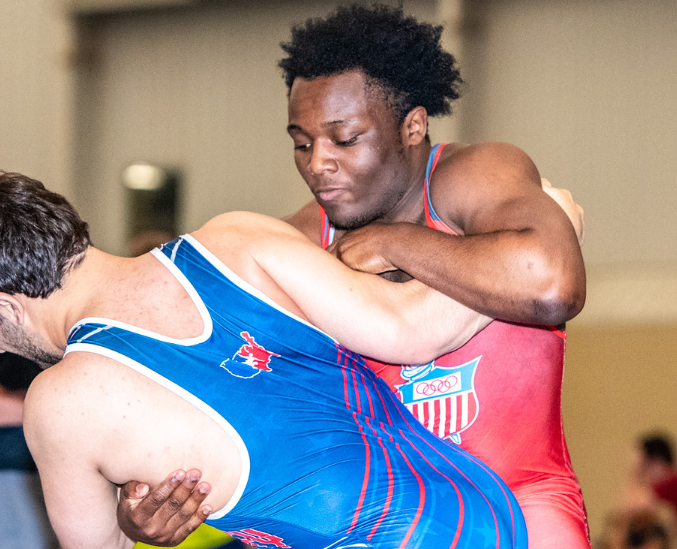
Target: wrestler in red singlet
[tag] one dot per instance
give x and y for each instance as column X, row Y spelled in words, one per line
column 499, row 398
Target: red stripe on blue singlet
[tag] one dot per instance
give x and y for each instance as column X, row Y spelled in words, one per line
column 391, row 484
column 339, row 361
column 493, row 475
column 343, row 359
column 421, row 499
column 461, row 517
column 371, row 404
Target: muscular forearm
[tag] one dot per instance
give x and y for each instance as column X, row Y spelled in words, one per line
column 506, row 274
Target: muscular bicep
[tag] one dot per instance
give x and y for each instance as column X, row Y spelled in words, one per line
column 81, row 502
column 491, row 187
column 518, row 256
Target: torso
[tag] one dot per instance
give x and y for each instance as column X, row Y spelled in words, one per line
column 499, row 398
column 270, row 468
column 145, row 450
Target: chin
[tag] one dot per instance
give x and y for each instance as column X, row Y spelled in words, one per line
column 348, row 222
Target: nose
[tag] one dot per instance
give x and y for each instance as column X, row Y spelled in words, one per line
column 322, row 160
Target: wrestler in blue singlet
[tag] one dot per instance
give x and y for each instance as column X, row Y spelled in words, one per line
column 331, row 458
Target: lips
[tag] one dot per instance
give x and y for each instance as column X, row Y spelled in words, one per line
column 327, row 195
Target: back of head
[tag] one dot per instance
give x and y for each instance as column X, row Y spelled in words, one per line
column 41, row 237
column 657, row 446
column 645, row 531
column 397, row 53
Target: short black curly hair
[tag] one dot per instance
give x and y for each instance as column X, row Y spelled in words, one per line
column 402, row 55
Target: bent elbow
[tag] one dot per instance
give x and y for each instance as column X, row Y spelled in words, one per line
column 560, row 304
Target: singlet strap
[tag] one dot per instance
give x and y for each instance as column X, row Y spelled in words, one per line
column 328, row 230
column 432, row 219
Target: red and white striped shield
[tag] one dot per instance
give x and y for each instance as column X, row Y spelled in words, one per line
column 442, row 398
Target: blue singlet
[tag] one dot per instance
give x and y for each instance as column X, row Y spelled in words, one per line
column 331, row 458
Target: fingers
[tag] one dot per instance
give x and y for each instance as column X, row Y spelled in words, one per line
column 165, row 515
column 177, row 498
column 187, row 524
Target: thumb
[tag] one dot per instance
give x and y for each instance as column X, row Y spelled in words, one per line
column 141, row 490
column 134, row 490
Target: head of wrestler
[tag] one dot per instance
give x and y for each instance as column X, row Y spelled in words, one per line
column 362, row 83
column 42, row 238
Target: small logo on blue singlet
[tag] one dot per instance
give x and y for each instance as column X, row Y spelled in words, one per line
column 257, row 538
column 250, row 359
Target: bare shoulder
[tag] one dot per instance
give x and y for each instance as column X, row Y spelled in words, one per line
column 472, row 180
column 58, row 398
column 237, row 232
column 486, row 163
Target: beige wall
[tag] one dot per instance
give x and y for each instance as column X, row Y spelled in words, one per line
column 36, row 90
column 586, row 88
column 196, row 90
column 619, row 381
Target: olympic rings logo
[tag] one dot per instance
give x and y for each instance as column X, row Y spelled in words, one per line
column 440, row 386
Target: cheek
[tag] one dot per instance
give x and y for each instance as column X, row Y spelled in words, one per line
column 301, row 165
column 366, row 165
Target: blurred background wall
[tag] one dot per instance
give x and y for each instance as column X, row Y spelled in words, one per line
column 586, row 88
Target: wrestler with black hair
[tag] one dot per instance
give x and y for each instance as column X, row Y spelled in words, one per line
column 471, row 221
column 399, row 56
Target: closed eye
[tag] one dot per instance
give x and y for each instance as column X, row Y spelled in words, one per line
column 349, row 142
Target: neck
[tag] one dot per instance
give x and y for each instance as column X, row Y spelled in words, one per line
column 81, row 292
column 410, row 208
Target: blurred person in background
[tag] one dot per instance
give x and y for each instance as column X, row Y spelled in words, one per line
column 637, row 529
column 23, row 517
column 652, row 480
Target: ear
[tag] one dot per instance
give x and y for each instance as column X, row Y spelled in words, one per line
column 12, row 309
column 415, row 126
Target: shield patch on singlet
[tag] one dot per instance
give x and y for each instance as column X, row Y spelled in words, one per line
column 443, row 398
column 249, row 360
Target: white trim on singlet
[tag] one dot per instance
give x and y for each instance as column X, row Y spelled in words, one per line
column 246, row 286
column 192, row 399
column 208, row 328
column 332, row 234
column 192, row 293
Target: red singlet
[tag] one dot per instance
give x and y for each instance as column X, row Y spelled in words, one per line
column 499, row 398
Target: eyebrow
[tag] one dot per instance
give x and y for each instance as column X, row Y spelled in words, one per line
column 291, row 127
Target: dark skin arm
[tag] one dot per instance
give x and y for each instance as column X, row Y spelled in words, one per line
column 167, row 514
column 517, row 257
